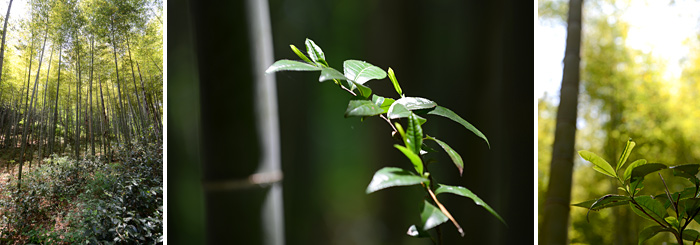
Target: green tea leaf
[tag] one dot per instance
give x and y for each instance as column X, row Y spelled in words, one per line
column 414, row 134
column 688, row 171
column 394, row 81
column 360, row 72
column 650, row 232
column 415, row 159
column 416, row 103
column 362, row 108
column 628, row 171
column 431, row 216
column 300, row 54
column 625, row 154
column 382, row 102
column 364, row 90
column 391, row 176
column 291, row 65
column 599, row 164
column 461, row 191
column 315, row 52
column 456, row 158
column 690, row 205
column 640, row 171
column 651, row 206
column 444, row 112
column 328, row 73
column 397, row 110
column 691, row 235
column 606, row 201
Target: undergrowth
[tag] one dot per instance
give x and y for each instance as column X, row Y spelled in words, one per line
column 67, row 201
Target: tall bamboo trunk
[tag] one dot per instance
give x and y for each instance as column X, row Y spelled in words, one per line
column 119, row 92
column 55, row 109
column 556, row 206
column 92, row 59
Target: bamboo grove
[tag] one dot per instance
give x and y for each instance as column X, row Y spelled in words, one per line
column 80, row 78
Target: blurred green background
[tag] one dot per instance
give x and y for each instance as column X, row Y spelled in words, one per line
column 473, row 57
column 639, row 80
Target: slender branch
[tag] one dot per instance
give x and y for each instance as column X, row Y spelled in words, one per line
column 670, row 199
column 388, row 121
column 444, row 211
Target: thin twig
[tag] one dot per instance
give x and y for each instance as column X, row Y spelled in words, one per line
column 670, row 199
column 388, row 121
column 444, row 211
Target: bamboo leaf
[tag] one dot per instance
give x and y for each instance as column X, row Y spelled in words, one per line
column 431, row 216
column 291, row 65
column 444, row 112
column 599, row 164
column 461, row 191
column 456, row 158
column 360, row 72
column 362, row 108
column 391, row 176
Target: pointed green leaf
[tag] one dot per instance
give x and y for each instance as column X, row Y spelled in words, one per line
column 414, row 134
column 401, row 131
column 625, row 154
column 691, row 235
column 315, row 52
column 640, row 171
column 431, row 216
column 456, row 158
column 651, row 206
column 397, row 110
column 361, row 72
column 690, row 205
column 382, row 102
column 290, row 65
column 390, row 176
column 415, row 231
column 416, row 103
column 599, row 164
column 628, row 171
column 394, row 81
column 650, row 232
column 364, row 90
column 415, row 159
column 300, row 54
column 362, row 108
column 328, row 73
column 461, row 191
column 606, row 201
column 444, row 112
column 688, row 171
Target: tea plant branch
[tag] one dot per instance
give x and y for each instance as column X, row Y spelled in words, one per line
column 674, row 204
column 365, row 104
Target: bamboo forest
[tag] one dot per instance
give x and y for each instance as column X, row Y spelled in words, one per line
column 81, row 105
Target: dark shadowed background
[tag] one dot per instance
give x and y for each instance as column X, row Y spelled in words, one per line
column 474, row 57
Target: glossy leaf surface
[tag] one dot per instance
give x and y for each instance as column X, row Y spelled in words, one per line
column 397, row 110
column 413, row 157
column 444, row 112
column 415, row 231
column 431, row 216
column 361, row 72
column 414, row 134
column 291, row 65
column 362, row 108
column 395, row 82
column 456, row 158
column 328, row 73
column 391, row 176
column 315, row 52
column 364, row 90
column 300, row 54
column 599, row 164
column 461, row 191
column 416, row 103
column 384, row 103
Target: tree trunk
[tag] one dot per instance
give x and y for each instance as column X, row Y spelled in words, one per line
column 46, row 86
column 77, row 107
column 136, row 90
column 4, row 31
column 92, row 59
column 119, row 92
column 55, row 109
column 556, row 207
